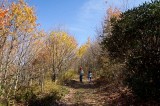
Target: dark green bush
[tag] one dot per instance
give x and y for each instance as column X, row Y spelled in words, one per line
column 135, row 40
column 47, row 100
column 24, row 95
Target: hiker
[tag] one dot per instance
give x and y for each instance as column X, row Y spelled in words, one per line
column 89, row 76
column 81, row 74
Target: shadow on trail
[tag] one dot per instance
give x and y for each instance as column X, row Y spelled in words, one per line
column 85, row 85
column 76, row 104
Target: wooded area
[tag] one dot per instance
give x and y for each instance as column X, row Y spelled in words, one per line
column 36, row 67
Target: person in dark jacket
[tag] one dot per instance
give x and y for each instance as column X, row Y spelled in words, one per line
column 81, row 72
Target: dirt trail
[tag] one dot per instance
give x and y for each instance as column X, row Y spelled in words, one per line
column 82, row 94
column 90, row 94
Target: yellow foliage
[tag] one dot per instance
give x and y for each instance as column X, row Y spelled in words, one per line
column 67, row 76
column 23, row 16
column 63, row 39
column 82, row 50
column 50, row 86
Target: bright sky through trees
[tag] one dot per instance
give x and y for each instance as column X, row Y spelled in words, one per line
column 79, row 17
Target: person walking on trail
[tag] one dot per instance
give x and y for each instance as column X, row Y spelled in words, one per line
column 89, row 76
column 81, row 74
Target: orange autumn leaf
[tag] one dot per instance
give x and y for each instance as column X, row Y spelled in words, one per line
column 2, row 16
column 3, row 13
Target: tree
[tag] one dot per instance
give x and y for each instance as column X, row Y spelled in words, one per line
column 17, row 30
column 134, row 40
column 62, row 48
